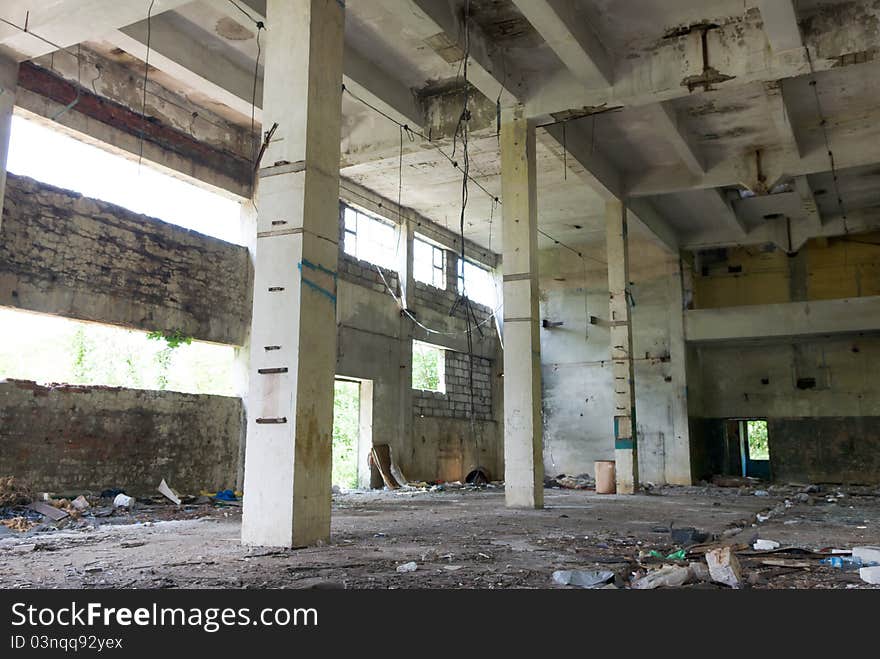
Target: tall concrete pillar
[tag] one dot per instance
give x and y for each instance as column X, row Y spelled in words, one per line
column 8, row 85
column 523, row 450
column 287, row 476
column 677, row 448
column 625, row 440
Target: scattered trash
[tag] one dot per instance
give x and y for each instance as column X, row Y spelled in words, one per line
column 724, row 567
column 675, row 556
column 123, row 501
column 80, row 503
column 168, row 493
column 761, row 493
column 669, row 576
column 842, row 562
column 581, row 482
column 412, row 566
column 18, row 524
column 225, row 495
column 765, row 545
column 335, row 490
column 688, row 536
column 870, row 574
column 111, row 493
column 51, row 512
column 869, row 555
column 380, row 457
column 582, row 578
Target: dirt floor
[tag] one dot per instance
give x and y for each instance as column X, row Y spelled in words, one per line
column 458, row 538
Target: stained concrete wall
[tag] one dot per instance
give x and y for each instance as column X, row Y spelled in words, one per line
column 576, row 367
column 77, row 439
column 61, row 253
column 819, row 393
column 826, row 432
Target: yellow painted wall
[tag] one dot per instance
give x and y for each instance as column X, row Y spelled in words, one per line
column 841, row 267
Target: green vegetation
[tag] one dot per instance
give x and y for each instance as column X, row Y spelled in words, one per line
column 759, row 446
column 428, row 367
column 50, row 349
column 346, row 430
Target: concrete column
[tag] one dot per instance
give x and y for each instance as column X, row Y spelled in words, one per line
column 287, row 476
column 677, row 448
column 625, row 440
column 523, row 441
column 8, row 86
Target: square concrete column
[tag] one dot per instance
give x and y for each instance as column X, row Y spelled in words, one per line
column 8, row 86
column 677, row 448
column 523, row 438
column 625, row 440
column 287, row 475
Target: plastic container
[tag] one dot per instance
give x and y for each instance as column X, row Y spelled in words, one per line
column 606, row 479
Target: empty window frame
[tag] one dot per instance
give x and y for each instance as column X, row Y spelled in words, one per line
column 429, row 264
column 477, row 283
column 369, row 238
column 428, row 367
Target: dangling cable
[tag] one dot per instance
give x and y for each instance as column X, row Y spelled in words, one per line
column 146, row 77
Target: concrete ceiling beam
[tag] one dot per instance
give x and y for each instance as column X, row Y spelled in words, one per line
column 781, row 25
column 203, row 68
column 199, row 66
column 670, row 125
column 721, row 208
column 69, row 22
column 488, row 70
column 737, row 49
column 851, row 149
column 572, row 38
column 604, row 178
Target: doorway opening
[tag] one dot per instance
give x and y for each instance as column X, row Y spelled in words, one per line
column 352, row 432
column 747, row 448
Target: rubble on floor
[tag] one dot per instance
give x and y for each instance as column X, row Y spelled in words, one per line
column 463, row 537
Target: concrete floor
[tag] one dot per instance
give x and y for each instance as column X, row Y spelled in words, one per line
column 458, row 538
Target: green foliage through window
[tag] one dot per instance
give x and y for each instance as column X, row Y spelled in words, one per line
column 428, row 367
column 759, row 445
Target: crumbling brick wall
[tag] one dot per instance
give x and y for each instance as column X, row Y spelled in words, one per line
column 68, row 439
column 68, row 255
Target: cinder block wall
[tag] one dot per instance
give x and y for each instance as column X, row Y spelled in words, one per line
column 68, row 439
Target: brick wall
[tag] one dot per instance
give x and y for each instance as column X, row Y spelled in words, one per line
column 77, row 439
column 64, row 254
column 455, row 403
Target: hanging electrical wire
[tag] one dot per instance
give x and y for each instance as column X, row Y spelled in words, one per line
column 413, row 132
column 146, row 77
column 254, row 138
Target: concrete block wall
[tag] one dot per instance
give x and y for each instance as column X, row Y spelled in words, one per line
column 68, row 439
column 364, row 274
column 455, row 402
